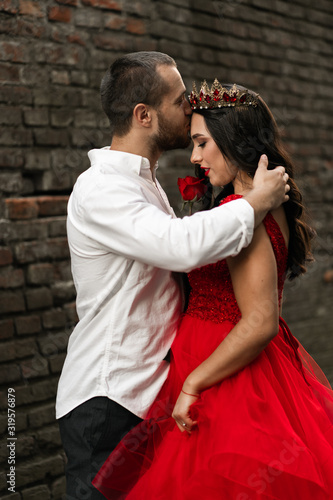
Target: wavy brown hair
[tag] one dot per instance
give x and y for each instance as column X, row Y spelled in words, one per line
column 243, row 134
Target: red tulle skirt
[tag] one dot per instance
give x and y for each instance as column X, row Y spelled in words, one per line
column 263, row 433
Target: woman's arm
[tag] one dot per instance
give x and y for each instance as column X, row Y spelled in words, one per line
column 254, row 278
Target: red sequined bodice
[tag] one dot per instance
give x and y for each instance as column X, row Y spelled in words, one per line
column 212, row 297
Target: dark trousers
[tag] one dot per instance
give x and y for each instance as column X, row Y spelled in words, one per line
column 89, row 433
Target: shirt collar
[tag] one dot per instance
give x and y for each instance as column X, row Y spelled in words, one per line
column 111, row 161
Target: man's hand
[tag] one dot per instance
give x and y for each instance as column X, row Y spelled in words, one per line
column 269, row 191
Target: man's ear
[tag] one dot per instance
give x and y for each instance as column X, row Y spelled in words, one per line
column 143, row 115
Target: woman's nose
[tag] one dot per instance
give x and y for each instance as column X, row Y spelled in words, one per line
column 196, row 156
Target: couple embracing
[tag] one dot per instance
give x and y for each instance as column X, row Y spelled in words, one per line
column 234, row 409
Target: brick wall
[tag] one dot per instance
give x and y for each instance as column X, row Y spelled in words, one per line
column 52, row 57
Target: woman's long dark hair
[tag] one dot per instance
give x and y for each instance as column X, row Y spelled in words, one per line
column 243, row 134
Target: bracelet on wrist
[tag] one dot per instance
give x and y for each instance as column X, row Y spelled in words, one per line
column 188, row 394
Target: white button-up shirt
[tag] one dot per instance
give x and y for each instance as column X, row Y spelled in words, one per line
column 125, row 241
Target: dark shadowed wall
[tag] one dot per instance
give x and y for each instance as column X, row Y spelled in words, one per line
column 52, row 57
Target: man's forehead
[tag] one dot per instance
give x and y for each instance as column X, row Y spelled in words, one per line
column 172, row 76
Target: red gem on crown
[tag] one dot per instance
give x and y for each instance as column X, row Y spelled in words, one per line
column 193, row 99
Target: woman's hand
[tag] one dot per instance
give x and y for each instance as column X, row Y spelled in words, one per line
column 182, row 412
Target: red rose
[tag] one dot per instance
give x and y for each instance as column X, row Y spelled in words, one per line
column 191, row 188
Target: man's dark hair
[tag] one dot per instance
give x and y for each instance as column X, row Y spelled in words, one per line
column 130, row 80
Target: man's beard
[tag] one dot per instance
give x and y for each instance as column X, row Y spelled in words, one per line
column 168, row 137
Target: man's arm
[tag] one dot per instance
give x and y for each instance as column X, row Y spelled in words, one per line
column 118, row 218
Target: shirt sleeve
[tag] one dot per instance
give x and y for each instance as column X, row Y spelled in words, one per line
column 126, row 222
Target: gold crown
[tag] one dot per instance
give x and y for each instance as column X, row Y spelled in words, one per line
column 220, row 97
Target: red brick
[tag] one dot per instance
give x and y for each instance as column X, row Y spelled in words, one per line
column 53, row 53
column 61, row 14
column 103, row 4
column 26, row 325
column 38, row 298
column 9, row 6
column 6, row 329
column 9, row 73
column 11, row 278
column 21, row 208
column 11, row 302
column 114, row 22
column 30, row 8
column 13, row 51
column 75, row 38
column 135, row 26
column 40, row 274
column 52, row 205
column 6, row 256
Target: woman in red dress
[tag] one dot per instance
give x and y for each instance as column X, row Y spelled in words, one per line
column 245, row 412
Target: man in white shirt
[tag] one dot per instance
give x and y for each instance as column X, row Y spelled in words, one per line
column 125, row 243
